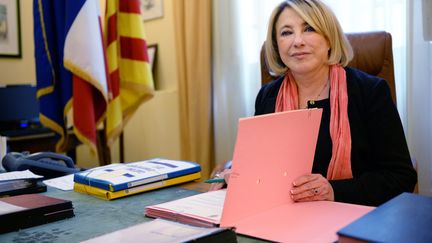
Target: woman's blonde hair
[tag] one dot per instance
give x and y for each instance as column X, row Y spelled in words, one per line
column 322, row 19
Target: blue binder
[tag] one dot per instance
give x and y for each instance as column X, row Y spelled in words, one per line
column 405, row 218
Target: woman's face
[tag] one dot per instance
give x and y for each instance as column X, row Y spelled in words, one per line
column 301, row 48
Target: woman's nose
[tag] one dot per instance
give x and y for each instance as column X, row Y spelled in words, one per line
column 298, row 39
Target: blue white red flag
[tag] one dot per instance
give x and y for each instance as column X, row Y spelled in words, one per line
column 70, row 67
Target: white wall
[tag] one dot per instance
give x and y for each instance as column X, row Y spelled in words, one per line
column 419, row 97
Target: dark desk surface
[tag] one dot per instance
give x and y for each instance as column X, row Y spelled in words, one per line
column 94, row 217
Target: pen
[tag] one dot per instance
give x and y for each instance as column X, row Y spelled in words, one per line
column 215, row 180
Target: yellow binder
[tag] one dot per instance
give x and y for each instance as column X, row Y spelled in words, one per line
column 109, row 195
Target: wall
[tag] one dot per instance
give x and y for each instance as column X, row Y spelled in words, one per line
column 154, row 129
column 21, row 70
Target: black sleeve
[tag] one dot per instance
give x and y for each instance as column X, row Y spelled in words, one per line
column 259, row 102
column 385, row 170
column 266, row 98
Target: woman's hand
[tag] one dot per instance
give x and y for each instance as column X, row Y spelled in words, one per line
column 312, row 187
column 223, row 174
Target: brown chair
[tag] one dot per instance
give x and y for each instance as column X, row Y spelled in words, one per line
column 372, row 54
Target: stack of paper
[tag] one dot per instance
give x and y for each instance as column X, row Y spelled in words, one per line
column 120, row 180
column 203, row 210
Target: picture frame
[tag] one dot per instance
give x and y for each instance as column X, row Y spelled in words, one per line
column 151, row 9
column 10, row 29
column 152, row 52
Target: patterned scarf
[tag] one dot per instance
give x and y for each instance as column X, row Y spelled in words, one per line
column 287, row 99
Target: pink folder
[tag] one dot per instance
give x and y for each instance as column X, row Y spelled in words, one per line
column 271, row 151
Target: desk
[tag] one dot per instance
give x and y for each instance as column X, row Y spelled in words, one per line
column 94, row 217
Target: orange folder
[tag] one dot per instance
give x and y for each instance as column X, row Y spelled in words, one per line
column 270, row 152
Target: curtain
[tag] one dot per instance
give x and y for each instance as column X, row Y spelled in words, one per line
column 239, row 29
column 237, row 38
column 419, row 67
column 388, row 15
column 193, row 52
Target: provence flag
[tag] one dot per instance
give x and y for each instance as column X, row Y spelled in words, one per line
column 70, row 67
column 130, row 76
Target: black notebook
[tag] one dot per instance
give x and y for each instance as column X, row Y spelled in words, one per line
column 21, row 186
column 29, row 210
column 405, row 218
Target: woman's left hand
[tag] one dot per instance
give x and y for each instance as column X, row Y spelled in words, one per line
column 313, row 187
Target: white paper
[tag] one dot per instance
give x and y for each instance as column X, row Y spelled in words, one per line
column 206, row 206
column 158, row 231
column 15, row 175
column 64, row 183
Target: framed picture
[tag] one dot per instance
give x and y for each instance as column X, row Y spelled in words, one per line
column 10, row 34
column 152, row 51
column 151, row 9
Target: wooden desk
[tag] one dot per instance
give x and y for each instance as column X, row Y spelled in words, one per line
column 95, row 217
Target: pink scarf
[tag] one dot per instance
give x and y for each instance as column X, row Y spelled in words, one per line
column 287, row 99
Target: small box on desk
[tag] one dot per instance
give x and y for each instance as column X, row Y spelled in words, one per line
column 23, row 211
column 405, row 218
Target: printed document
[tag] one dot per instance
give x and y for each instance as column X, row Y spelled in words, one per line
column 157, row 230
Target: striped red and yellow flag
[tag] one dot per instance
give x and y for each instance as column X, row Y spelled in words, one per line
column 130, row 77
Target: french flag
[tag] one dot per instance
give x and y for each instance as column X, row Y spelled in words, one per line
column 70, row 67
column 84, row 56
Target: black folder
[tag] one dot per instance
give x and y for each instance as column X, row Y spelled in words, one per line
column 29, row 210
column 405, row 218
column 21, row 186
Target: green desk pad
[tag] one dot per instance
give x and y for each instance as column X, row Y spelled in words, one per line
column 95, row 217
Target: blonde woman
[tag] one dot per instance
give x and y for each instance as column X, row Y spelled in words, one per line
column 361, row 155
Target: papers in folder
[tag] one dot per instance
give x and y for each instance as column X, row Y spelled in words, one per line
column 125, row 179
column 203, row 209
column 270, row 152
column 116, row 177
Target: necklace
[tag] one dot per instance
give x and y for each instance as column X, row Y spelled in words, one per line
column 312, row 101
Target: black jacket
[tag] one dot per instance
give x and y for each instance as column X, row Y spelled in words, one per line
column 380, row 159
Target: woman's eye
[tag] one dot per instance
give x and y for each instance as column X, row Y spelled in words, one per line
column 309, row 28
column 286, row 33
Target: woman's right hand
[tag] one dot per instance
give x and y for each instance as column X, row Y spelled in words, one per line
column 223, row 174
